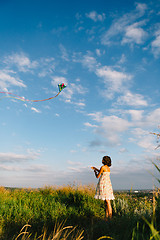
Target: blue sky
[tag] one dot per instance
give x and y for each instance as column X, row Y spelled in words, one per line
column 108, row 54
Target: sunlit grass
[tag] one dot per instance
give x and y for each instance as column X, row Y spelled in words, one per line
column 72, row 211
column 59, row 232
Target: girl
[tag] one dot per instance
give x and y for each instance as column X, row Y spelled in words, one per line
column 104, row 189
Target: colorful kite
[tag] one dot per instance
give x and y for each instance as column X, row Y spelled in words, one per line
column 11, row 95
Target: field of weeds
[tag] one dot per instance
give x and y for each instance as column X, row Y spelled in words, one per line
column 71, row 212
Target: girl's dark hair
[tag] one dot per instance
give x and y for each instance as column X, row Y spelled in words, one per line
column 107, row 161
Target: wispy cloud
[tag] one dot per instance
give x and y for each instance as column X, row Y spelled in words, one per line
column 109, row 127
column 156, row 44
column 134, row 33
column 13, row 157
column 152, row 119
column 95, row 16
column 58, row 80
column 87, row 124
column 35, row 110
column 125, row 26
column 131, row 99
column 59, row 30
column 9, row 78
column 38, row 168
column 133, row 124
column 115, row 81
column 89, row 61
column 47, row 66
column 9, row 168
column 64, row 53
column 143, row 139
column 21, row 61
column 136, row 115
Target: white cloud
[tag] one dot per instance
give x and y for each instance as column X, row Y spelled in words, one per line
column 113, row 124
column 98, row 52
column 95, row 16
column 153, row 118
column 22, row 62
column 58, row 80
column 37, row 168
column 120, row 25
column 114, row 81
column 96, row 116
column 122, row 59
column 132, row 100
column 7, row 80
column 156, row 44
column 143, row 139
column 13, row 157
column 64, row 53
column 47, row 66
column 35, row 110
column 145, row 119
column 139, row 132
column 123, row 150
column 87, row 124
column 147, row 143
column 136, row 115
column 9, row 168
column 141, row 7
column 134, row 34
column 135, row 125
column 109, row 127
column 89, row 61
column 80, row 104
column 74, row 163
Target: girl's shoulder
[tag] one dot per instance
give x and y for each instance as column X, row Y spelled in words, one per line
column 105, row 168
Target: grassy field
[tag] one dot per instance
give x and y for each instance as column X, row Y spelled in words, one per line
column 71, row 212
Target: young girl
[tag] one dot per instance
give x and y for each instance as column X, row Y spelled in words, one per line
column 104, row 189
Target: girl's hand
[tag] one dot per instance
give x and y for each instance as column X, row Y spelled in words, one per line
column 93, row 168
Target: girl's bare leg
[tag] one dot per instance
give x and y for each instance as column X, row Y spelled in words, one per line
column 106, row 210
column 109, row 208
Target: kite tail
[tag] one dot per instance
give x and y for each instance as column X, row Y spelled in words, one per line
column 45, row 99
column 11, row 95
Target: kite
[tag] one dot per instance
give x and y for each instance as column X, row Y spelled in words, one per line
column 11, row 95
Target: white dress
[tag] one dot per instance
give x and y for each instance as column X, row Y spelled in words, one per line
column 104, row 189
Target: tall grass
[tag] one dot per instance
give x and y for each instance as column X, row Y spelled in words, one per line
column 59, row 232
column 71, row 212
column 41, row 210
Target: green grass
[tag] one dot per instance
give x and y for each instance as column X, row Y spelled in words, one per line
column 73, row 212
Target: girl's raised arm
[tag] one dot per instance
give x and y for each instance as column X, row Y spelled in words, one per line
column 100, row 172
column 96, row 169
